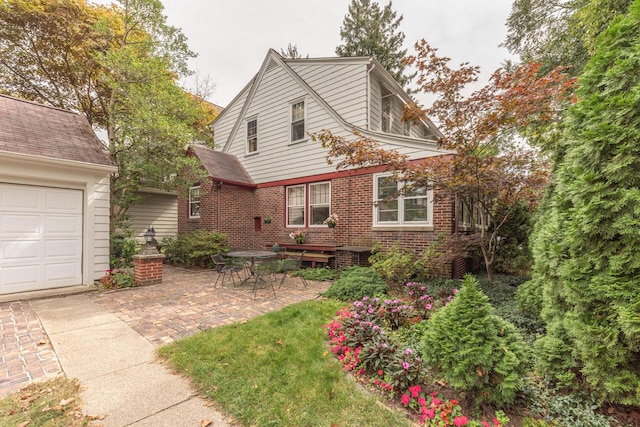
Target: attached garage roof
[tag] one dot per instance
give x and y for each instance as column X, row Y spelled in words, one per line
column 223, row 167
column 39, row 130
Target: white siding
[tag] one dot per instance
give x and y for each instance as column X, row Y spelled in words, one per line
column 158, row 210
column 100, row 219
column 224, row 126
column 342, row 86
column 271, row 104
column 277, row 158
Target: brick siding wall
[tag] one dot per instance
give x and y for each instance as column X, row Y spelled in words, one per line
column 351, row 200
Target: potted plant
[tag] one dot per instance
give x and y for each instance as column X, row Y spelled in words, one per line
column 267, row 219
column 331, row 221
column 298, row 236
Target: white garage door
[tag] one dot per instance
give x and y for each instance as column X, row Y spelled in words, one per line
column 40, row 237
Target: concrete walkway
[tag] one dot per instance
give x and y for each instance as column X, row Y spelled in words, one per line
column 118, row 369
column 108, row 341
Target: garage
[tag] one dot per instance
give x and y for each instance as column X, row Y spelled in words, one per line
column 40, row 237
column 54, row 199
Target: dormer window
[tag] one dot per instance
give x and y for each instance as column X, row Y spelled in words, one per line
column 386, row 106
column 252, row 136
column 297, row 121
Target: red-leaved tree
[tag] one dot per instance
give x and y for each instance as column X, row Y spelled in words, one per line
column 494, row 170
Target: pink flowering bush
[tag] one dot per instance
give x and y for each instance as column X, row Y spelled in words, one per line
column 358, row 338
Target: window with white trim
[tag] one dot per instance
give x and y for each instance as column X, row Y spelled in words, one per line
column 252, row 136
column 414, row 207
column 297, row 121
column 296, row 201
column 319, row 202
column 406, row 128
column 308, row 204
column 194, row 202
column 386, row 113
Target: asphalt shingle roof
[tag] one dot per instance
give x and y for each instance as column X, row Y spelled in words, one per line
column 39, row 130
column 222, row 166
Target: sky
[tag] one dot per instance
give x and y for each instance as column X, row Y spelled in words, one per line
column 232, row 37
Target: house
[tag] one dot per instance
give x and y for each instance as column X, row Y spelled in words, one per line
column 266, row 165
column 54, row 198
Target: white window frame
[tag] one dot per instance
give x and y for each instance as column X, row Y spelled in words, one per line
column 304, row 120
column 310, row 205
column 401, row 222
column 406, row 128
column 248, row 136
column 193, row 202
column 307, row 204
column 304, row 206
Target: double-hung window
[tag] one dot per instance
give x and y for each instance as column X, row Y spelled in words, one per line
column 296, row 202
column 194, row 202
column 391, row 207
column 386, row 114
column 297, row 121
column 308, row 204
column 319, row 202
column 252, row 136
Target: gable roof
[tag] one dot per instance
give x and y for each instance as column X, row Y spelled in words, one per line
column 38, row 130
column 222, row 167
column 274, row 58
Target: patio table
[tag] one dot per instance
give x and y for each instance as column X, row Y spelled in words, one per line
column 252, row 256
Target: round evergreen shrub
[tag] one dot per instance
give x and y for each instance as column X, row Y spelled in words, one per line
column 474, row 350
column 356, row 283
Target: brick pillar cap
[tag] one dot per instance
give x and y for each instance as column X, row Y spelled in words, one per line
column 151, row 256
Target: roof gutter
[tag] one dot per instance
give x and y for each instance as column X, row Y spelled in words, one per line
column 58, row 162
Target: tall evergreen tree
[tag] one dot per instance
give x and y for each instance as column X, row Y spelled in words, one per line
column 368, row 30
column 587, row 246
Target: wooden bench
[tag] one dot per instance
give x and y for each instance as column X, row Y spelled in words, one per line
column 315, row 253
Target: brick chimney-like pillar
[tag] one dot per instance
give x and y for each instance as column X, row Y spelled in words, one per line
column 147, row 269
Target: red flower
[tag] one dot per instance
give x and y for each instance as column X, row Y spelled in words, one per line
column 460, row 421
column 415, row 390
column 430, row 413
column 486, row 424
column 380, row 372
column 405, row 399
column 496, row 422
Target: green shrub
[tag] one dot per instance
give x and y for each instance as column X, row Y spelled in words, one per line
column 475, row 350
column 566, row 410
column 356, row 283
column 529, row 298
column 194, row 248
column 395, row 265
column 116, row 279
column 123, row 247
column 320, row 274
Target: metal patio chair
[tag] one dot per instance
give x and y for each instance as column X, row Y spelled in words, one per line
column 289, row 265
column 226, row 266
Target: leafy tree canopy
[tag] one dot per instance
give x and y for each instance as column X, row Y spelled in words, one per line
column 119, row 66
column 369, row 30
column 559, row 32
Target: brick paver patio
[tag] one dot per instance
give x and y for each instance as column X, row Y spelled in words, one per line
column 26, row 354
column 184, row 303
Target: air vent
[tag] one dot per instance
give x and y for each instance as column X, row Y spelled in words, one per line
column 273, row 64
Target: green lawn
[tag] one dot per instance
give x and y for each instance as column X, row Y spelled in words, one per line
column 277, row 370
